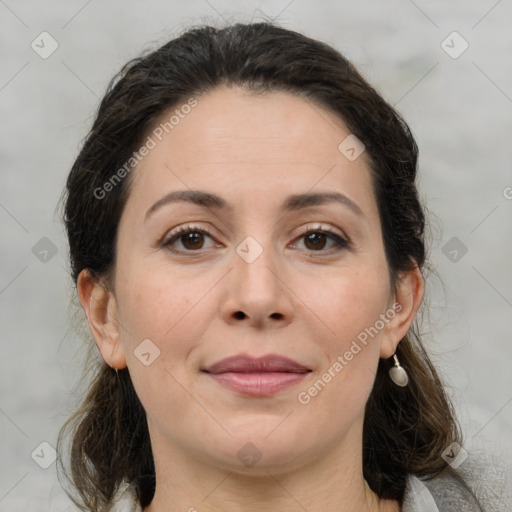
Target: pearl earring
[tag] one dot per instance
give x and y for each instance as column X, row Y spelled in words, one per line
column 397, row 374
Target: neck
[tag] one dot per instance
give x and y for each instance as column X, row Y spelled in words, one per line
column 331, row 481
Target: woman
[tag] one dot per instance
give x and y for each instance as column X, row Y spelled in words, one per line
column 247, row 243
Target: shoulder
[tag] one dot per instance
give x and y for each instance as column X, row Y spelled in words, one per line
column 126, row 499
column 481, row 483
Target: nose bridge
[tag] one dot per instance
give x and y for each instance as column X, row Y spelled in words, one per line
column 255, row 288
column 256, row 249
column 256, row 264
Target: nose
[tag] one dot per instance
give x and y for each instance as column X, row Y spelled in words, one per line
column 256, row 291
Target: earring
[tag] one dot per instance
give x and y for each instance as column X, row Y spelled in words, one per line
column 397, row 374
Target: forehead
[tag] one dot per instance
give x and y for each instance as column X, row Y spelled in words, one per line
column 245, row 145
column 235, row 124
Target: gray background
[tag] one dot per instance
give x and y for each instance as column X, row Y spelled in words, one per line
column 459, row 110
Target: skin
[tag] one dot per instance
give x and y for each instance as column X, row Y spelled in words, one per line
column 300, row 301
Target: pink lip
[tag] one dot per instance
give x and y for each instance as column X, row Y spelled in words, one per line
column 263, row 376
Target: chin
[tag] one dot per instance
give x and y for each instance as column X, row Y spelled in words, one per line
column 259, row 454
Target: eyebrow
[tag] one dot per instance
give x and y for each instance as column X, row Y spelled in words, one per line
column 291, row 203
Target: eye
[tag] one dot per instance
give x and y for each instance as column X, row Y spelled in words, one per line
column 191, row 238
column 316, row 239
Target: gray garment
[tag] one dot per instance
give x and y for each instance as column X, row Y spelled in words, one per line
column 487, row 480
column 487, row 484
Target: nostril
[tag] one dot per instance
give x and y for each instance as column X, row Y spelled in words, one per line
column 239, row 315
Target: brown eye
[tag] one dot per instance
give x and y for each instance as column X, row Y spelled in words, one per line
column 315, row 240
column 192, row 239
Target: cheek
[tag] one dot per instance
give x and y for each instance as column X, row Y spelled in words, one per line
column 353, row 302
column 351, row 307
column 156, row 304
column 165, row 316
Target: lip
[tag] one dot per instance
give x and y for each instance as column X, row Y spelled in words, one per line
column 262, row 376
column 247, row 364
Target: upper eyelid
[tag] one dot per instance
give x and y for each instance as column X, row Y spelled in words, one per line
column 321, row 227
column 309, row 227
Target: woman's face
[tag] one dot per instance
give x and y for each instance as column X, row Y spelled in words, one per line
column 249, row 282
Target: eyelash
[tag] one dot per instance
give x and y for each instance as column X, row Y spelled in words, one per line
column 342, row 243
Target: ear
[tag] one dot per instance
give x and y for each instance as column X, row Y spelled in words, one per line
column 100, row 308
column 406, row 301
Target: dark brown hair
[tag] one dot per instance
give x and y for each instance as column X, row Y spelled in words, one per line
column 405, row 429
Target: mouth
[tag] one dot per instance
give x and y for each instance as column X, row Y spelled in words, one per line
column 263, row 376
